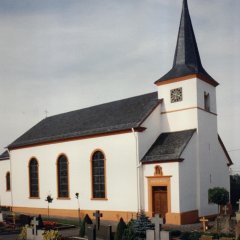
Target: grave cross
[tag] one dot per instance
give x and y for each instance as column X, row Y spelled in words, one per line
column 97, row 216
column 238, row 205
column 204, row 223
column 225, row 209
column 157, row 221
column 34, row 222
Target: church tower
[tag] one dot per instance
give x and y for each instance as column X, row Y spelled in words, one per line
column 187, row 85
column 189, row 102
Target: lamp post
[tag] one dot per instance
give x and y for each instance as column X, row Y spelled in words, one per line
column 49, row 199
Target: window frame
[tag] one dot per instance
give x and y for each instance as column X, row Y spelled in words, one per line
column 58, row 182
column 8, row 181
column 93, row 197
column 29, row 178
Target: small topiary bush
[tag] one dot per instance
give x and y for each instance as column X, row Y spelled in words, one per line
column 86, row 220
column 128, row 232
column 120, row 230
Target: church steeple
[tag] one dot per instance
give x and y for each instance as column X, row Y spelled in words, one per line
column 187, row 60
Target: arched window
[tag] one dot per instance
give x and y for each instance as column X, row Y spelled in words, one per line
column 98, row 175
column 8, row 183
column 33, row 178
column 62, row 177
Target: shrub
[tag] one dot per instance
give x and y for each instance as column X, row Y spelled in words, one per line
column 120, row 230
column 128, row 232
column 175, row 233
column 51, row 235
column 86, row 220
column 219, row 196
column 140, row 225
column 23, row 233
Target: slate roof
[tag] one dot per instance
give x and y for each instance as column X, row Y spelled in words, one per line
column 114, row 116
column 4, row 155
column 168, row 147
column 186, row 59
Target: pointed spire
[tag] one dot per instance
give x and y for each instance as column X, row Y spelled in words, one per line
column 187, row 60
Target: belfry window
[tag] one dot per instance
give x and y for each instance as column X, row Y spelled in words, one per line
column 98, row 175
column 33, row 178
column 206, row 101
column 62, row 177
column 8, row 183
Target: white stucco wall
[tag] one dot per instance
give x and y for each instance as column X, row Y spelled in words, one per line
column 203, row 154
column 189, row 92
column 5, row 197
column 213, row 169
column 121, row 190
column 188, row 176
column 153, row 127
column 169, row 169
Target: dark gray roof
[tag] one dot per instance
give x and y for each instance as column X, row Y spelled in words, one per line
column 169, row 146
column 114, row 116
column 186, row 59
column 4, row 155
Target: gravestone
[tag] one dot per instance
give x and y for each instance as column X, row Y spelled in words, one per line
column 157, row 221
column 238, row 212
column 237, row 230
column 165, row 235
column 150, row 234
column 97, row 216
column 224, row 224
column 1, row 217
column 91, row 232
column 204, row 222
column 109, row 233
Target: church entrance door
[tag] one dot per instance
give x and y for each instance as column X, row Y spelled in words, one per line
column 160, row 204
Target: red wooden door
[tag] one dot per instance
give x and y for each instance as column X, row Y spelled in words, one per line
column 159, row 200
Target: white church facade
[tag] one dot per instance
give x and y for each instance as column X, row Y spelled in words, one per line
column 159, row 152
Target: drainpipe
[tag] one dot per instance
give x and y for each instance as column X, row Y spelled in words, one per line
column 138, row 165
column 11, row 183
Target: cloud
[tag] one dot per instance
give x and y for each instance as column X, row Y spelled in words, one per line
column 61, row 55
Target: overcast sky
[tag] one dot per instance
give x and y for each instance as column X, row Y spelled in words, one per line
column 62, row 55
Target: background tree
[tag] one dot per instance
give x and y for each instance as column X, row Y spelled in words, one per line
column 219, row 196
column 234, row 189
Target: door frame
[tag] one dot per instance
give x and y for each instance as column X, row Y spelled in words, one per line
column 158, row 181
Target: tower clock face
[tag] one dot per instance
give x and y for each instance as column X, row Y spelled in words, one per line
column 176, row 95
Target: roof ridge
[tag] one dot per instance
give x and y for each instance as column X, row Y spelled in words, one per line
column 101, row 104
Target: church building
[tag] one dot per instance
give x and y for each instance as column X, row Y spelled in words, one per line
column 159, row 152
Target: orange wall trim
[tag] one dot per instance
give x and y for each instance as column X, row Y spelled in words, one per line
column 182, row 218
column 187, row 77
column 73, row 213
